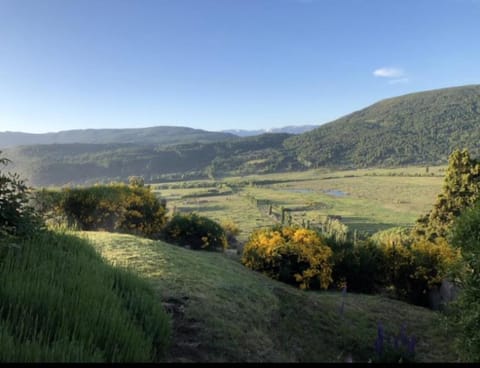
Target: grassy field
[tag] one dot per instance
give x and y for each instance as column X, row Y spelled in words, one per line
column 367, row 200
column 224, row 312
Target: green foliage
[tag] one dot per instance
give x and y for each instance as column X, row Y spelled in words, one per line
column 113, row 207
column 197, row 232
column 17, row 217
column 296, row 256
column 418, row 128
column 59, row 302
column 361, row 266
column 61, row 164
column 466, row 309
column 461, row 188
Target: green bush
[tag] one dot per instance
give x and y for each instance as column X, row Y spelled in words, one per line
column 197, row 232
column 115, row 207
column 361, row 267
column 466, row 309
column 17, row 217
column 296, row 256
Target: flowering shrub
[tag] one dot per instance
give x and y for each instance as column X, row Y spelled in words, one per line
column 197, row 232
column 295, row 256
column 415, row 269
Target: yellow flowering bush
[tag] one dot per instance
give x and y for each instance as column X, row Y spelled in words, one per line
column 296, row 256
column 416, row 267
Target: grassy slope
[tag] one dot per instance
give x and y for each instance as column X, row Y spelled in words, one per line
column 225, row 312
column 59, row 302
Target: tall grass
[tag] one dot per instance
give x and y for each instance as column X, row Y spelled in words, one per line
column 60, row 302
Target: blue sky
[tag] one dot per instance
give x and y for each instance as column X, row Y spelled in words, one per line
column 224, row 64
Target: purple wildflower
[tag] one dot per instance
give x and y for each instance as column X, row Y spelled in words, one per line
column 411, row 345
column 379, row 342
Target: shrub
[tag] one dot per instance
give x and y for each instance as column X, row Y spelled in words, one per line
column 114, row 207
column 360, row 266
column 17, row 217
column 296, row 256
column 197, row 232
column 416, row 266
column 466, row 309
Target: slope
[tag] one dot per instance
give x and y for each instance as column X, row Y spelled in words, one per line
column 224, row 312
column 418, row 128
column 59, row 164
column 159, row 135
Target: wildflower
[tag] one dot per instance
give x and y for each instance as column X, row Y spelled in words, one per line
column 411, row 345
column 379, row 342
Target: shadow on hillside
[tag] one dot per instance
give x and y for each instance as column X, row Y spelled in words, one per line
column 364, row 224
column 200, row 208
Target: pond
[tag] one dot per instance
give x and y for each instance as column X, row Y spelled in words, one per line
column 299, row 190
column 335, row 193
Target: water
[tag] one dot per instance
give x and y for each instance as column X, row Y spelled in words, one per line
column 299, row 190
column 336, row 193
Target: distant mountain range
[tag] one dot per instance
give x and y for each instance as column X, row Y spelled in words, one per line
column 291, row 129
column 160, row 135
column 418, row 128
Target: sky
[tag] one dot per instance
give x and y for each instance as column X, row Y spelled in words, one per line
column 224, row 64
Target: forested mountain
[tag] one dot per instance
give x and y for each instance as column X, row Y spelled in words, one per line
column 160, row 135
column 59, row 164
column 418, row 128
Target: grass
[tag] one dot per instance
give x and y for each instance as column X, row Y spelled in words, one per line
column 375, row 199
column 224, row 312
column 60, row 302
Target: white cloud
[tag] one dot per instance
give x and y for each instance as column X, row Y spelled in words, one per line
column 387, row 72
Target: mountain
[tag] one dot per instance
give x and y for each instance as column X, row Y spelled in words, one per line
column 81, row 163
column 160, row 135
column 291, row 129
column 418, row 128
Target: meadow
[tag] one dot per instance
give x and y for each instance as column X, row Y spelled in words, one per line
column 224, row 312
column 367, row 200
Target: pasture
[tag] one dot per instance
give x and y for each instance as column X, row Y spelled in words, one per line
column 366, row 200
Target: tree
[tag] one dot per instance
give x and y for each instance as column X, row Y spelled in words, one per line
column 461, row 189
column 465, row 311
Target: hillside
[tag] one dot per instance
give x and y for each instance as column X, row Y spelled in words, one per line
column 418, row 128
column 159, row 135
column 224, row 312
column 415, row 129
column 59, row 164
